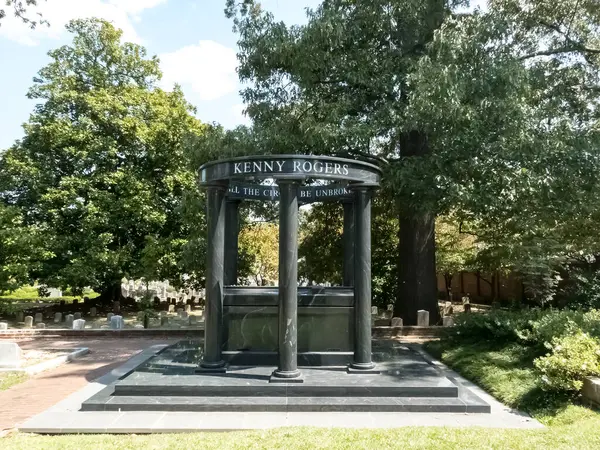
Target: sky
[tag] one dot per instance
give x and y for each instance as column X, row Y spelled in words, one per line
column 193, row 39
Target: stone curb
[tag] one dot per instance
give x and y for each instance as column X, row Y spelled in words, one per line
column 50, row 364
column 377, row 332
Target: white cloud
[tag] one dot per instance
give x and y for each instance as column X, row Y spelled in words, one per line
column 208, row 68
column 59, row 12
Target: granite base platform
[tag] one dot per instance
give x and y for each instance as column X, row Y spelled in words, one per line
column 168, row 381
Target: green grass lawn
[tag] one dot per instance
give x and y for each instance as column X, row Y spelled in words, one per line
column 30, row 294
column 506, row 372
column 8, row 379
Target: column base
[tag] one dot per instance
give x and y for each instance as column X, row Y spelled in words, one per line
column 363, row 368
column 285, row 376
column 218, row 367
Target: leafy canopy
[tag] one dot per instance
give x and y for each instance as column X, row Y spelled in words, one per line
column 102, row 167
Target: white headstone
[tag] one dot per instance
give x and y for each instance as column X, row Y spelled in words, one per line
column 54, row 292
column 58, row 317
column 422, row 318
column 79, row 324
column 93, row 311
column 10, row 355
column 38, row 317
column 390, row 307
column 3, row 326
column 448, row 321
column 188, row 308
column 397, row 322
column 116, row 322
column 69, row 320
column 28, row 321
column 109, row 317
column 139, row 326
column 41, row 325
column 77, row 316
column 171, row 308
column 374, row 310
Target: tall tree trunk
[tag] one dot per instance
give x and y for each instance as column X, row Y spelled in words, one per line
column 110, row 294
column 417, row 280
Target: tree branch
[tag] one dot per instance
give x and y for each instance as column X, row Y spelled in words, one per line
column 558, row 51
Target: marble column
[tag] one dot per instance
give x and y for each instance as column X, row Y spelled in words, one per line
column 348, row 243
column 213, row 313
column 232, row 228
column 287, row 370
column 362, row 280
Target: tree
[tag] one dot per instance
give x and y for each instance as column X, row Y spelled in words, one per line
column 261, row 241
column 102, row 168
column 19, row 8
column 455, row 107
column 20, row 247
column 455, row 250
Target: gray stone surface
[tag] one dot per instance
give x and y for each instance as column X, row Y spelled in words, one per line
column 448, row 321
column 591, row 390
column 28, row 321
column 19, row 316
column 40, row 325
column 164, row 320
column 397, row 322
column 65, row 417
column 58, row 317
column 93, row 311
column 79, row 324
column 39, row 317
column 69, row 320
column 116, row 322
column 10, row 355
column 3, row 326
column 422, row 318
column 77, row 316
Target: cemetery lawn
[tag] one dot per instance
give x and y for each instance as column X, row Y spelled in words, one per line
column 504, row 371
column 8, row 379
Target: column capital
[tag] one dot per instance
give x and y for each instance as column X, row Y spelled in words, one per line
column 218, row 185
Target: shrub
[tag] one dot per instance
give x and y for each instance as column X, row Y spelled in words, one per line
column 555, row 324
column 573, row 357
column 499, row 325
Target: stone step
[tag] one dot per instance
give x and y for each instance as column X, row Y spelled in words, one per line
column 283, row 404
column 424, row 389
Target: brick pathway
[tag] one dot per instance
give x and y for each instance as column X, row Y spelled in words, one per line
column 48, row 388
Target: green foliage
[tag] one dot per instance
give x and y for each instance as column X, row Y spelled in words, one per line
column 495, row 325
column 570, row 338
column 261, row 242
column 21, row 247
column 506, row 371
column 19, row 9
column 572, row 358
column 101, row 168
column 320, row 248
column 490, row 116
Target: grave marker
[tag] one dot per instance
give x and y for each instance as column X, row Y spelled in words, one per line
column 422, row 318
column 10, row 355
